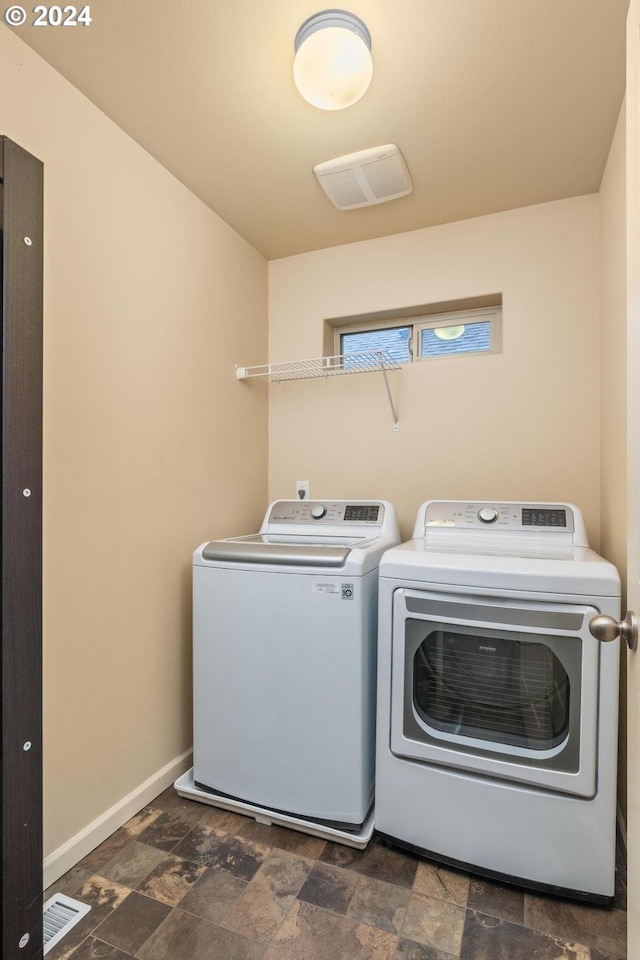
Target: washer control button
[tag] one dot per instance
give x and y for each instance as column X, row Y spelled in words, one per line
column 488, row 514
column 318, row 512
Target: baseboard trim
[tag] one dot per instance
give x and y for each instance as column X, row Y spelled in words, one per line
column 622, row 827
column 71, row 852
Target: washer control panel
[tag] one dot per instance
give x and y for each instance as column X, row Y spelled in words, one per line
column 366, row 513
column 510, row 516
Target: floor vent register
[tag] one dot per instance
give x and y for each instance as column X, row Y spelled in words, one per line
column 60, row 914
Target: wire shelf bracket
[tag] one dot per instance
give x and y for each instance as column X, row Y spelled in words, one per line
column 340, row 365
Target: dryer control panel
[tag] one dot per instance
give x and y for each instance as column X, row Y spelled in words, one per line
column 524, row 517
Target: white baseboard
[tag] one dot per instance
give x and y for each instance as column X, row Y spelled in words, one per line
column 107, row 823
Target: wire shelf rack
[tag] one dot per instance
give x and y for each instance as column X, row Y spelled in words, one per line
column 321, row 367
column 375, row 361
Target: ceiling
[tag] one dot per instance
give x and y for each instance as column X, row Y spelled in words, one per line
column 495, row 104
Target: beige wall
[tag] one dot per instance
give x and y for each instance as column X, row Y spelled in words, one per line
column 523, row 424
column 613, row 389
column 151, row 445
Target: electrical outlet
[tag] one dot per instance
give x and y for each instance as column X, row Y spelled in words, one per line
column 302, row 489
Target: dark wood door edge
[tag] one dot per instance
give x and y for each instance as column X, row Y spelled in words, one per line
column 21, row 557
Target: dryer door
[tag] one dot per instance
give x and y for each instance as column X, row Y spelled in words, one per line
column 500, row 687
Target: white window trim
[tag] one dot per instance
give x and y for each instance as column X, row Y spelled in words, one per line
column 417, row 324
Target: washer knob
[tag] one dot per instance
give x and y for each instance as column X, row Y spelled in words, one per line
column 488, row 514
column 318, row 511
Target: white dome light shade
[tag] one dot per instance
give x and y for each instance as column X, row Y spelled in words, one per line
column 449, row 333
column 332, row 68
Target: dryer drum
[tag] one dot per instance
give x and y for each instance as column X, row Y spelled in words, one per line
column 505, row 691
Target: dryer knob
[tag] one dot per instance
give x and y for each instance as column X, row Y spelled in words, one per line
column 488, row 514
column 318, row 512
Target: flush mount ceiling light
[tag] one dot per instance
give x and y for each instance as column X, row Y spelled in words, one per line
column 332, row 67
column 449, row 333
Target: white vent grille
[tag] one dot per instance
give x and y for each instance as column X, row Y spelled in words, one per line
column 343, row 189
column 386, row 177
column 60, row 914
column 365, row 178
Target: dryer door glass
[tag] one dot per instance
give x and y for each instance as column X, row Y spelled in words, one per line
column 503, row 687
column 498, row 690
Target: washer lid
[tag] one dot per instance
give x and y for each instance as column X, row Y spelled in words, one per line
column 292, row 551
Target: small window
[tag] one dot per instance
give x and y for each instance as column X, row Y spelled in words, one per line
column 395, row 340
column 453, row 338
column 425, row 338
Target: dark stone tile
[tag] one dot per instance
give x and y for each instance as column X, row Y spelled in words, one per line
column 132, row 863
column 379, row 904
column 223, row 821
column 329, row 887
column 212, row 896
column 603, row 928
column 301, row 843
column 73, row 939
column 434, row 923
column 496, row 900
column 488, row 938
column 171, row 802
column 103, row 896
column 408, row 950
column 268, row 898
column 141, row 821
column 165, row 831
column 132, row 922
column 442, row 883
column 92, row 949
column 239, row 857
column 378, row 860
column 310, row 933
column 596, row 955
column 171, row 880
column 184, row 937
column 68, row 883
column 95, row 860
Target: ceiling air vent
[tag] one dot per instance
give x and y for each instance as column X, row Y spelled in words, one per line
column 365, row 178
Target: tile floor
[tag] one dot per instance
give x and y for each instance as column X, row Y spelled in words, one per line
column 184, row 881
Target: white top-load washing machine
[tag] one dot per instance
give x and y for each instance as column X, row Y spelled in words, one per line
column 284, row 651
column 497, row 708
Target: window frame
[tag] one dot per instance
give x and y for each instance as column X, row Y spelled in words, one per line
column 449, row 318
column 455, row 319
column 349, row 328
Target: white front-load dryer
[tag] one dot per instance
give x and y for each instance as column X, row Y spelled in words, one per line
column 497, row 708
column 284, row 663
